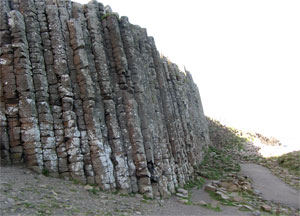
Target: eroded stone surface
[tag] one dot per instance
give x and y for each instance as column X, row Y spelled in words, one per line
column 85, row 94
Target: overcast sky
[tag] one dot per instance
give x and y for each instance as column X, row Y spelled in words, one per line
column 243, row 55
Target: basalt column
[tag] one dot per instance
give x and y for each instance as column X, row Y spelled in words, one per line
column 86, row 95
column 8, row 97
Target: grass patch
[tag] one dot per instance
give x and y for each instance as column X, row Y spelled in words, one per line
column 93, row 191
column 189, row 202
column 198, row 182
column 115, row 192
column 216, row 163
column 147, row 198
column 28, row 205
column 75, row 181
column 124, row 195
column 109, row 14
column 105, row 16
column 45, row 172
column 290, row 161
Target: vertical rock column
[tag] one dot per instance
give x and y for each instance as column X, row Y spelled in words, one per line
column 7, row 81
column 180, row 82
column 170, row 117
column 177, row 89
column 171, row 77
column 64, row 105
column 198, row 124
column 164, row 143
column 168, row 158
column 77, row 156
column 54, row 104
column 136, row 71
column 161, row 139
column 78, row 103
column 142, row 93
column 125, row 101
column 121, row 162
column 98, row 107
column 118, row 133
column 4, row 140
column 45, row 117
column 30, row 132
column 102, row 165
column 152, row 91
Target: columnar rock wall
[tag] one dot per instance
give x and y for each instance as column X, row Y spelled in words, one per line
column 85, row 94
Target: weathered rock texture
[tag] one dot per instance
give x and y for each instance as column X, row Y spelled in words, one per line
column 85, row 94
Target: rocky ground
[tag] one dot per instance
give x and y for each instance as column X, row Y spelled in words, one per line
column 23, row 192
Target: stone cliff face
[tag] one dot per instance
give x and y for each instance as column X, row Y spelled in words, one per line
column 86, row 95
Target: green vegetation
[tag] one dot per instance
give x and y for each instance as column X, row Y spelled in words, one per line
column 290, row 161
column 147, row 198
column 105, row 16
column 45, row 172
column 198, row 182
column 116, row 192
column 109, row 14
column 75, row 181
column 216, row 163
column 94, row 191
column 28, row 205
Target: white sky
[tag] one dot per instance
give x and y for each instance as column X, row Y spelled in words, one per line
column 243, row 55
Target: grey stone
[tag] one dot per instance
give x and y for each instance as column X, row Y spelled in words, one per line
column 89, row 97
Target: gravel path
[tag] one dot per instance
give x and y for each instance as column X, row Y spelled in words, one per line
column 271, row 187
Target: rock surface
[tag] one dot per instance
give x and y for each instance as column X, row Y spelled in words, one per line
column 86, row 95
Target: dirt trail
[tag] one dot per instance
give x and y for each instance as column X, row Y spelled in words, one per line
column 271, row 187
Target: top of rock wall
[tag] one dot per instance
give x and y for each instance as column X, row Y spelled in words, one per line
column 85, row 95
